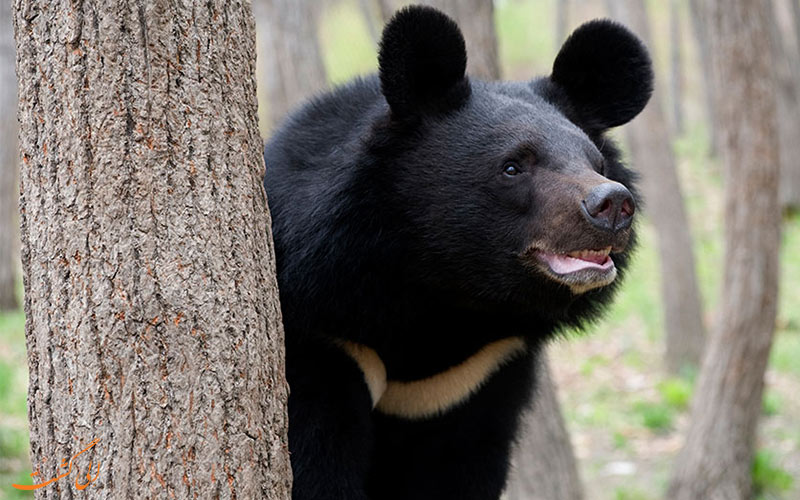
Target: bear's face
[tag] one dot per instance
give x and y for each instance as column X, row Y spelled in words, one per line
column 514, row 196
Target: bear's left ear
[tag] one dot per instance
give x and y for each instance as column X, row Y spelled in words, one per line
column 422, row 62
column 606, row 73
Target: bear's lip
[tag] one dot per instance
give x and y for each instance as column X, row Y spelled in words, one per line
column 566, row 263
column 580, row 270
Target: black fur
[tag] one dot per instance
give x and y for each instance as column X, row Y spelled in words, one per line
column 606, row 73
column 396, row 228
column 422, row 61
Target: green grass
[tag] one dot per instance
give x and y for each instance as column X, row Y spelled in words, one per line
column 785, row 355
column 13, row 413
column 769, row 478
column 771, row 404
column 789, row 299
column 628, row 493
column 676, row 393
column 657, row 417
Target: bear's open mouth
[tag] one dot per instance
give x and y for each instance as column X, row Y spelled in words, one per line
column 580, row 270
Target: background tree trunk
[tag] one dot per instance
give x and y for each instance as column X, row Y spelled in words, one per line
column 153, row 321
column 562, row 21
column 387, row 8
column 366, row 8
column 699, row 16
column 787, row 80
column 9, row 159
column 291, row 61
column 476, row 20
column 795, row 6
column 544, row 464
column 676, row 73
column 651, row 148
column 716, row 459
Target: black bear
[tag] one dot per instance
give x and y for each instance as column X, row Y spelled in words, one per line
column 431, row 232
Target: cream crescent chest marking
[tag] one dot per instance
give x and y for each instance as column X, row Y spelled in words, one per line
column 435, row 394
column 371, row 366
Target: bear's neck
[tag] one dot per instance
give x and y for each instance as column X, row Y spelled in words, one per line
column 439, row 336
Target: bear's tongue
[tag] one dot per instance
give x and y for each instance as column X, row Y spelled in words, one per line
column 577, row 261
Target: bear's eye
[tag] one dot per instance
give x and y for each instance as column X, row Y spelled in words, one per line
column 511, row 169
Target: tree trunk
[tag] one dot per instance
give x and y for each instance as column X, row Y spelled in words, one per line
column 476, row 20
column 152, row 315
column 796, row 18
column 716, row 459
column 562, row 21
column 9, row 156
column 545, row 467
column 651, row 148
column 676, row 75
column 366, row 6
column 699, row 16
column 291, row 61
column 387, row 8
column 787, row 75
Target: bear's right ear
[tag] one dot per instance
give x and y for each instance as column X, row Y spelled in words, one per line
column 422, row 62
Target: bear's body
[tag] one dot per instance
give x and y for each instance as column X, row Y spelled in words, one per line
column 421, row 224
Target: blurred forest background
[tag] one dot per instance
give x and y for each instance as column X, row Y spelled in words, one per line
column 624, row 387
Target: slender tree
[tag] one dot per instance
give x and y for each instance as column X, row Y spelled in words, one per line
column 795, row 6
column 676, row 58
column 699, row 16
column 476, row 19
column 716, row 458
column 651, row 148
column 291, row 60
column 8, row 163
column 562, row 21
column 787, row 74
column 544, row 464
column 152, row 318
column 387, row 8
column 366, row 8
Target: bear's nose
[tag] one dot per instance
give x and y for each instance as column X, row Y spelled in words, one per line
column 609, row 206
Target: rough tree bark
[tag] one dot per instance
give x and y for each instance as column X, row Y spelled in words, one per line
column 545, row 467
column 8, row 163
column 787, row 79
column 476, row 20
column 651, row 148
column 676, row 72
column 291, row 61
column 716, row 459
column 152, row 314
column 699, row 16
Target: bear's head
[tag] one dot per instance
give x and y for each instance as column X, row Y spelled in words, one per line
column 510, row 195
